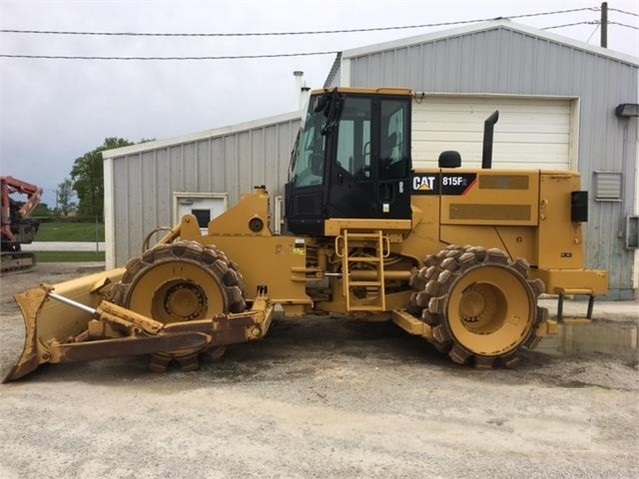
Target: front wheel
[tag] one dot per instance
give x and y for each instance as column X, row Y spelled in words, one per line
column 481, row 306
column 181, row 281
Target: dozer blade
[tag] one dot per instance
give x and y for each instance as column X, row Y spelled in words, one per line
column 73, row 321
column 49, row 322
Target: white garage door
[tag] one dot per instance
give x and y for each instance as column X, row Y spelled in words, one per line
column 530, row 133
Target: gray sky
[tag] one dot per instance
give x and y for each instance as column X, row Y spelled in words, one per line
column 53, row 111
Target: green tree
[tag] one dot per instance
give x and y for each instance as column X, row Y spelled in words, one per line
column 41, row 210
column 88, row 178
column 64, row 195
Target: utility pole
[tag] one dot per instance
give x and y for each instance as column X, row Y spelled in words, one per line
column 604, row 24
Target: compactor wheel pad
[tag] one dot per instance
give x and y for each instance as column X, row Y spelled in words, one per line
column 481, row 306
column 180, row 281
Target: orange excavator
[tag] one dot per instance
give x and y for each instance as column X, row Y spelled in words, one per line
column 17, row 228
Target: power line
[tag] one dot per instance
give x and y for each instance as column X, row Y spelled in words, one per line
column 624, row 25
column 274, row 55
column 623, row 11
column 593, row 22
column 309, row 32
column 226, row 57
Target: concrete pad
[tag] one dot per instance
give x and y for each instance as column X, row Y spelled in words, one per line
column 63, row 246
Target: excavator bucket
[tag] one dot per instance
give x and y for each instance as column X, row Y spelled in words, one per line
column 48, row 322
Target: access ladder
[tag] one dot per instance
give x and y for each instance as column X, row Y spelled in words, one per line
column 350, row 260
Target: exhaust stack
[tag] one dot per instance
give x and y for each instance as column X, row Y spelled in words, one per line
column 301, row 89
column 487, row 154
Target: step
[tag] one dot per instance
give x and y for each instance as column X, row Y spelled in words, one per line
column 364, row 283
column 362, row 235
column 363, row 259
column 366, row 308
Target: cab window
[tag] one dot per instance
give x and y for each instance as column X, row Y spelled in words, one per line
column 394, row 149
column 354, row 138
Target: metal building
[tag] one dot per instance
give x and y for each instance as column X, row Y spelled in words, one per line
column 155, row 183
column 558, row 101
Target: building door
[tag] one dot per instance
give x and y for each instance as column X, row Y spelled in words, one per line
column 205, row 207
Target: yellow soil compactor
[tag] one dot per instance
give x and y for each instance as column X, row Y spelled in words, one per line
column 457, row 256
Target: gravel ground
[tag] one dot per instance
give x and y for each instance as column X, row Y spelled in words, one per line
column 318, row 398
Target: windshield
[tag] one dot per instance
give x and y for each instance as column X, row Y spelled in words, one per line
column 308, row 155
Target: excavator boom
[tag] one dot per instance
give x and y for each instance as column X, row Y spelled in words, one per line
column 16, row 228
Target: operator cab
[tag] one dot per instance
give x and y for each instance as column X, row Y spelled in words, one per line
column 351, row 159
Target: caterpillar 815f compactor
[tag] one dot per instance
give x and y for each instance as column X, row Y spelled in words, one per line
column 456, row 256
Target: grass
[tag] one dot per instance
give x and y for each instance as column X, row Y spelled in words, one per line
column 69, row 256
column 67, row 231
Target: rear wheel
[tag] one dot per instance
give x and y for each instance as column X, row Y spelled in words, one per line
column 180, row 281
column 482, row 307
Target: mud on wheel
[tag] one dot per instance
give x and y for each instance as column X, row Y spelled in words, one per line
column 482, row 307
column 180, row 281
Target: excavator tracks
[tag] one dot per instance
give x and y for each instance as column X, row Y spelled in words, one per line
column 17, row 261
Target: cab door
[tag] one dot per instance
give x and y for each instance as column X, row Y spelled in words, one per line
column 393, row 160
column 369, row 175
column 352, row 191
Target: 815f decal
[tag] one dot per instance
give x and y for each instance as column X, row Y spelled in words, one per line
column 447, row 184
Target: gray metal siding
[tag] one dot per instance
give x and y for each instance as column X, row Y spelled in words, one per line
column 233, row 163
column 504, row 61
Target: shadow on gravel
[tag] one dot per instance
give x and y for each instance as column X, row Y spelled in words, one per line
column 297, row 349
